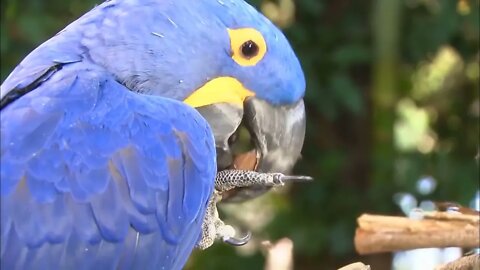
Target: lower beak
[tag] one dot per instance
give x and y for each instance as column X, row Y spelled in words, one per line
column 224, row 119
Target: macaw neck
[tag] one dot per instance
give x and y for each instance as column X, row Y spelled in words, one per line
column 159, row 47
column 150, row 48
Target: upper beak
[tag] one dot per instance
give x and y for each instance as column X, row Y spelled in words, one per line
column 277, row 132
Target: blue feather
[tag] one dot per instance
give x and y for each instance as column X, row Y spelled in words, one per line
column 102, row 193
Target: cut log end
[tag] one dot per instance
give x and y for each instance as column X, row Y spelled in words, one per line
column 377, row 234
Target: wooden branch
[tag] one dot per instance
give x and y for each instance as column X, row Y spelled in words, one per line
column 279, row 255
column 471, row 262
column 356, row 266
column 376, row 234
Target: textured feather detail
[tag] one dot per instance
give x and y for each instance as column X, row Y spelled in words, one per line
column 96, row 175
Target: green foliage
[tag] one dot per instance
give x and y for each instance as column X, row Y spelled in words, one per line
column 338, row 48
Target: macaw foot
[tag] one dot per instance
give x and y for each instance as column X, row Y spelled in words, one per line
column 213, row 227
column 230, row 179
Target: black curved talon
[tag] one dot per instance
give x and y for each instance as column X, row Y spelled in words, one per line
column 280, row 178
column 295, row 178
column 234, row 241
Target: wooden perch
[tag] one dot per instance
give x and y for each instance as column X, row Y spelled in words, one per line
column 376, row 234
column 356, row 266
column 279, row 254
column 471, row 262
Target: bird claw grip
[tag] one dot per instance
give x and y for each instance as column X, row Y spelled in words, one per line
column 213, row 227
column 229, row 179
column 236, row 241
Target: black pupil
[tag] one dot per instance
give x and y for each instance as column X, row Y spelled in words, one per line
column 249, row 49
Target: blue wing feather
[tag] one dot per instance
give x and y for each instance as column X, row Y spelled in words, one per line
column 95, row 175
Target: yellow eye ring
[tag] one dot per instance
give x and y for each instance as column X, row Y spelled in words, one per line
column 247, row 45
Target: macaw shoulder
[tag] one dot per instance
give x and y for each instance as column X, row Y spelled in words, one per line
column 84, row 40
column 74, row 100
column 81, row 140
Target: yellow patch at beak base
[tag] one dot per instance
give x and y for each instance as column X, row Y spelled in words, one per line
column 219, row 90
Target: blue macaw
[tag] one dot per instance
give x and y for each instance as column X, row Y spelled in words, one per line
column 113, row 131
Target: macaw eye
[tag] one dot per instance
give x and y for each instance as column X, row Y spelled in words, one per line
column 247, row 45
column 249, row 49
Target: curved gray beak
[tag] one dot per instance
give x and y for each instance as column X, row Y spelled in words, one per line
column 277, row 132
